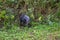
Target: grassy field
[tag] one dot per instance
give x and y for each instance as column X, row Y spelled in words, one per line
column 37, row 32
column 47, row 12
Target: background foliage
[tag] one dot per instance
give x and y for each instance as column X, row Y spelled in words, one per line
column 44, row 14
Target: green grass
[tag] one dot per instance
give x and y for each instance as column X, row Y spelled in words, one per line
column 37, row 32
